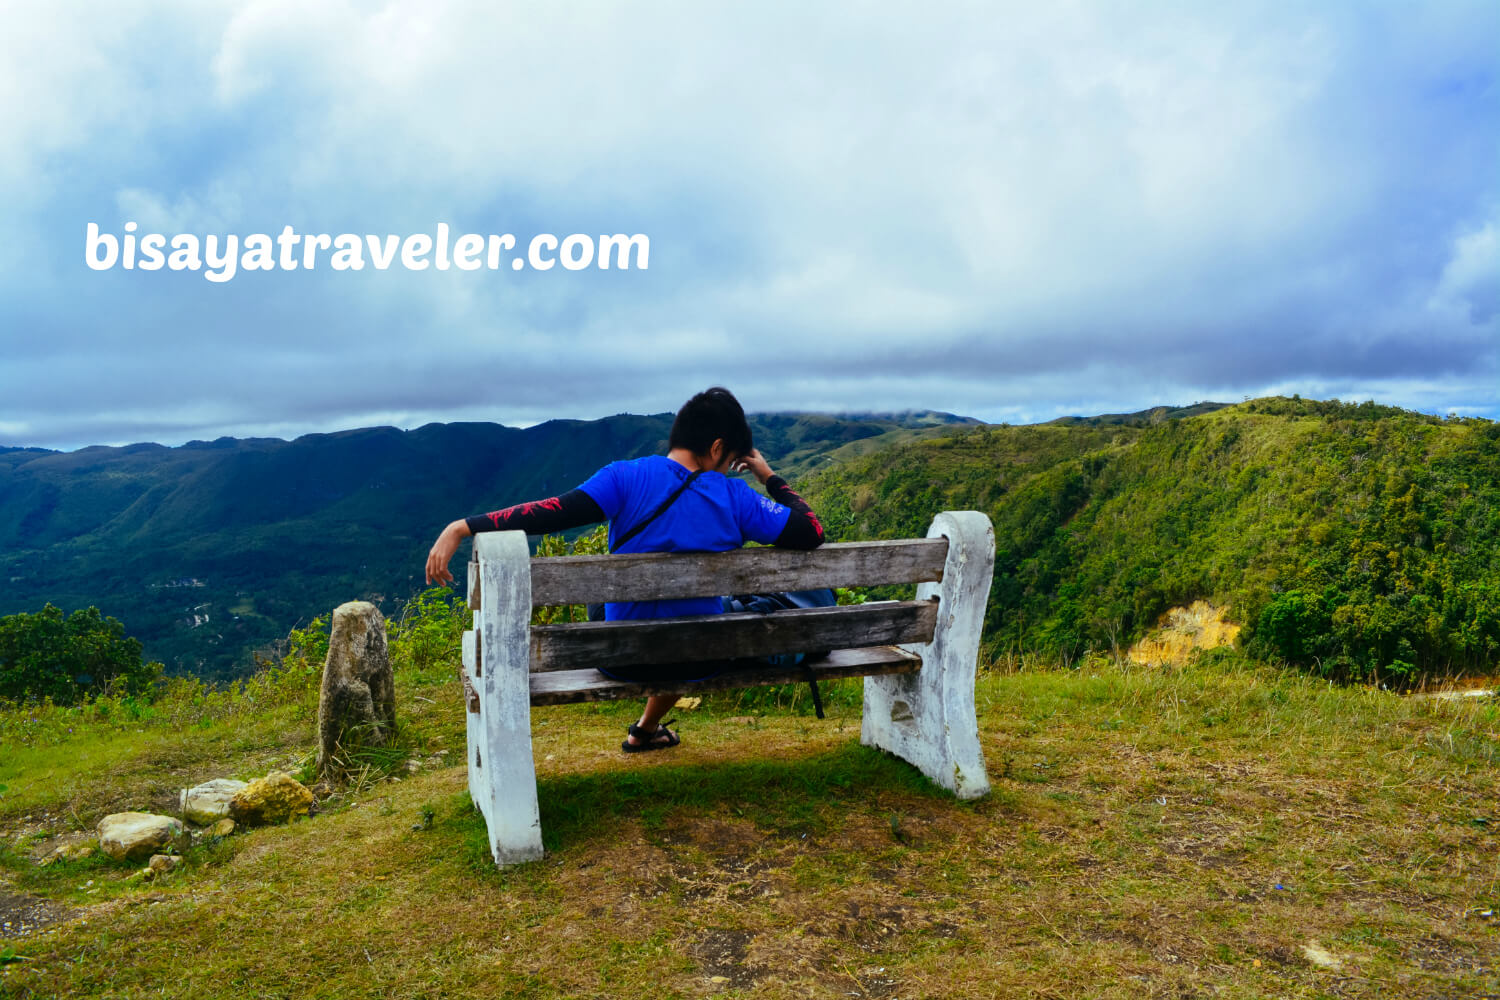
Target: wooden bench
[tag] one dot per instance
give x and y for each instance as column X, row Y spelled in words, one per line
column 918, row 657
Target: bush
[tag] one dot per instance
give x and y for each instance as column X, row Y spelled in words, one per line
column 66, row 659
column 1294, row 626
column 429, row 634
column 592, row 543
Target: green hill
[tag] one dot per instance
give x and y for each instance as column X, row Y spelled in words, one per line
column 211, row 550
column 1358, row 540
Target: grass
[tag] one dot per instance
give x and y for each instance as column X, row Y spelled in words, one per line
column 1219, row 829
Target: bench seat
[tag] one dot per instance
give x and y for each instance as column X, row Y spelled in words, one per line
column 563, row 687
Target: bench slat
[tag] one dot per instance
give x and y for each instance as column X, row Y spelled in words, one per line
column 683, row 640
column 656, row 576
column 561, row 687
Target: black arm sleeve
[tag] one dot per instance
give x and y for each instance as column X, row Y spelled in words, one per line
column 573, row 509
column 802, row 531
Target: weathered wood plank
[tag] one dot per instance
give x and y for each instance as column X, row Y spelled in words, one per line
column 561, row 687
column 733, row 636
column 655, row 576
column 471, row 695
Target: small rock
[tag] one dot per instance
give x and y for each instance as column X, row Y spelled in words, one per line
column 209, row 802
column 276, row 798
column 222, row 828
column 74, row 852
column 133, row 835
column 413, row 766
column 163, row 863
column 1321, row 958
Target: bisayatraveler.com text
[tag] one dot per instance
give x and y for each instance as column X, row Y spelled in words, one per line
column 220, row 258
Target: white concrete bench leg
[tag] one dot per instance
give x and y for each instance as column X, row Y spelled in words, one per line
column 502, row 772
column 928, row 718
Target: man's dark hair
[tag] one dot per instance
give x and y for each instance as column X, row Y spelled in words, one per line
column 707, row 417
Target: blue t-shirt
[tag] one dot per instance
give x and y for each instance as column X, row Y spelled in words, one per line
column 714, row 514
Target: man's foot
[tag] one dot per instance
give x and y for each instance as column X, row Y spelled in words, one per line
column 640, row 740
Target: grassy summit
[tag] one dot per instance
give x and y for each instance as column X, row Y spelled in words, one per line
column 1227, row 829
column 1356, row 540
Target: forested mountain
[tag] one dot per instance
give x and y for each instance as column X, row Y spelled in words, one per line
column 209, row 550
column 1358, row 540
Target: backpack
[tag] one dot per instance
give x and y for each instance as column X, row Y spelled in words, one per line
column 786, row 600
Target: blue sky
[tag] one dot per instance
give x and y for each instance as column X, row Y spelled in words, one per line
column 1009, row 211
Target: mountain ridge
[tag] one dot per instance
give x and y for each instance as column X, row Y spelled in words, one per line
column 1358, row 540
column 277, row 530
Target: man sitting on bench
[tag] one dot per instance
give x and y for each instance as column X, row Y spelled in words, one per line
column 679, row 502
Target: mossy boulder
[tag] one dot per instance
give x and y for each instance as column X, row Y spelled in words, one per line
column 276, row 798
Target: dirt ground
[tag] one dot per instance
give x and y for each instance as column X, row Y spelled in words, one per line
column 22, row 915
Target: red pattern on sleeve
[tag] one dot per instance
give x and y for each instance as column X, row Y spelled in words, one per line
column 539, row 517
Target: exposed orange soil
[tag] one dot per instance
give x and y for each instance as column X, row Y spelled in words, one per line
column 1183, row 630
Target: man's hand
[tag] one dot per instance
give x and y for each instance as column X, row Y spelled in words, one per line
column 442, row 552
column 756, row 465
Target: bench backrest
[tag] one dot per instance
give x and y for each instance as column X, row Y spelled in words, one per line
column 657, row 576
column 663, row 576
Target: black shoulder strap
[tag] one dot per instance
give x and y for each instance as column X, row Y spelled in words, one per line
column 812, row 682
column 658, row 512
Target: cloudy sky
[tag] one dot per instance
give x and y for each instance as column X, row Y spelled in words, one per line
column 1007, row 210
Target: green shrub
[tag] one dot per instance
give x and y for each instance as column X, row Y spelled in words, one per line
column 68, row 659
column 1295, row 627
column 428, row 635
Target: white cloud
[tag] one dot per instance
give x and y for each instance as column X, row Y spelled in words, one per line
column 1057, row 204
column 1470, row 282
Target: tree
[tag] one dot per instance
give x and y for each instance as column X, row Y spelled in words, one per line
column 1293, row 626
column 69, row 658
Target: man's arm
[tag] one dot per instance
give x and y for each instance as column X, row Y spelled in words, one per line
column 573, row 509
column 803, row 530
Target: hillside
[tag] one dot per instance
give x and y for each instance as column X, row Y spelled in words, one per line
column 1360, row 541
column 213, row 549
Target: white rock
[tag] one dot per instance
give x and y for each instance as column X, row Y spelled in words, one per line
column 136, row 835
column 209, row 802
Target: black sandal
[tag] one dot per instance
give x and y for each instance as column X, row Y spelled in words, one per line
column 650, row 740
